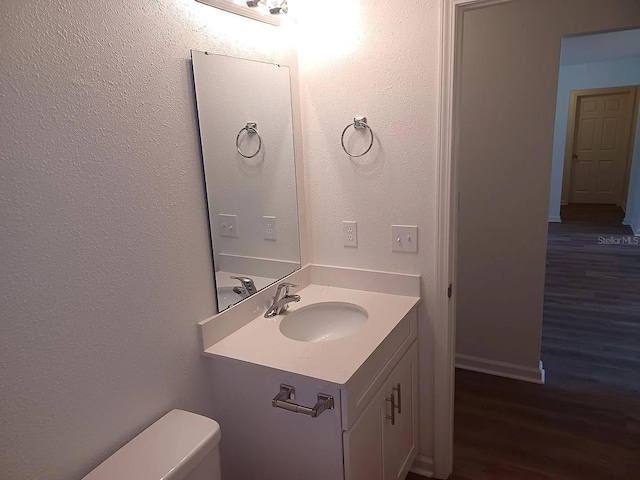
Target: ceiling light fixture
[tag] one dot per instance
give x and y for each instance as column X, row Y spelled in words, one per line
column 268, row 11
column 276, row 7
column 279, row 7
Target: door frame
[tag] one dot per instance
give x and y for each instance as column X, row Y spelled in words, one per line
column 451, row 15
column 574, row 100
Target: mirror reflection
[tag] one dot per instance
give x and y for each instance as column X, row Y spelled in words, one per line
column 246, row 134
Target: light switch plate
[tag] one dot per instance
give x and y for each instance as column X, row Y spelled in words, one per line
column 228, row 225
column 404, row 238
column 270, row 228
column 350, row 234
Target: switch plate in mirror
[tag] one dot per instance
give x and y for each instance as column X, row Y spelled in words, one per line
column 228, row 225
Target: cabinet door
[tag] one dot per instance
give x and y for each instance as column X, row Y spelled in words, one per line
column 363, row 445
column 400, row 439
column 374, row 449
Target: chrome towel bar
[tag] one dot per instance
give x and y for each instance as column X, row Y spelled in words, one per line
column 358, row 122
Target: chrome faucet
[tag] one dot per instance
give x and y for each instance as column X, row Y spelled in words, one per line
column 281, row 300
column 248, row 287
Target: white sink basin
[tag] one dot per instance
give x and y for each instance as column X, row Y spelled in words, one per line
column 227, row 297
column 321, row 322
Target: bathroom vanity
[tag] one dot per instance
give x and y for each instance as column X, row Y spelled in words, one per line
column 326, row 390
column 319, row 407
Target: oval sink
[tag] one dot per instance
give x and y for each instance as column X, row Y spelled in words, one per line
column 227, row 297
column 322, row 322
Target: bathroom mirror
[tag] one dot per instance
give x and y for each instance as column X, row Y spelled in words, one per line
column 246, row 135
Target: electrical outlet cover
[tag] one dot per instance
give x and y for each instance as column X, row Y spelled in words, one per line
column 350, row 234
column 404, row 238
column 270, row 228
column 228, row 225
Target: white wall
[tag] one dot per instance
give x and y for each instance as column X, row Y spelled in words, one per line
column 614, row 73
column 600, row 47
column 509, row 85
column 633, row 203
column 104, row 260
column 373, row 58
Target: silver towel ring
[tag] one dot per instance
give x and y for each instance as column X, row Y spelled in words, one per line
column 251, row 127
column 358, row 122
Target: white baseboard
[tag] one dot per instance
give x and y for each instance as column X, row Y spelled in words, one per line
column 501, row 369
column 423, row 466
column 635, row 229
column 626, row 222
column 555, row 219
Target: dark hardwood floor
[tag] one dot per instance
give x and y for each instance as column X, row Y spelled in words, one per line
column 591, row 328
column 584, row 423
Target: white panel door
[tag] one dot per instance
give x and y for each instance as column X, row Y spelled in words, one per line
column 601, row 148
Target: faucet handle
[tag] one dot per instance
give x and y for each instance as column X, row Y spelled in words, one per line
column 286, row 286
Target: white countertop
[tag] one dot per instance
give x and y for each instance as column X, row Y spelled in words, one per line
column 260, row 341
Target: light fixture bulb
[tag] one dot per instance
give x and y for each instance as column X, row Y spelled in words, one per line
column 278, row 7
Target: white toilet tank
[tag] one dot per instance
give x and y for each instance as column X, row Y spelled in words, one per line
column 179, row 446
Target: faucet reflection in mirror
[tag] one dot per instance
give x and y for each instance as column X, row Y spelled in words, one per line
column 246, row 135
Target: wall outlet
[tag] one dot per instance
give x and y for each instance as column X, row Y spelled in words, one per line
column 350, row 234
column 228, row 225
column 404, row 238
column 270, row 230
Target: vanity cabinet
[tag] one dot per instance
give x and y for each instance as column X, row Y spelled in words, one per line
column 382, row 443
column 371, row 433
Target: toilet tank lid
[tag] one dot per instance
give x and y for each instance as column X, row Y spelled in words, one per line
column 167, row 450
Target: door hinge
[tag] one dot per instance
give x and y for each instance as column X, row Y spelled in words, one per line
column 450, row 290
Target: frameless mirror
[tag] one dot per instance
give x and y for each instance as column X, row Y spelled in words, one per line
column 246, row 135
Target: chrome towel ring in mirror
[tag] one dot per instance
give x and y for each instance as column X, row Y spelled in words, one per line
column 251, row 127
column 358, row 122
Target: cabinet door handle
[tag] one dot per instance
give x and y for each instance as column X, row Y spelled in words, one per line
column 398, row 390
column 392, row 400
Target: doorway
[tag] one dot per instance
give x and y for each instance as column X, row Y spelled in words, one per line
column 510, row 152
column 599, row 146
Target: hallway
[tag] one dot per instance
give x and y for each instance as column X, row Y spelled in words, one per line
column 584, row 423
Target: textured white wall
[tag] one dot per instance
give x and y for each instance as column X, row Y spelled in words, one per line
column 379, row 59
column 104, row 260
column 509, row 82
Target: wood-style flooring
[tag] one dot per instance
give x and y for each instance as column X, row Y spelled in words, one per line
column 591, row 328
column 584, row 423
